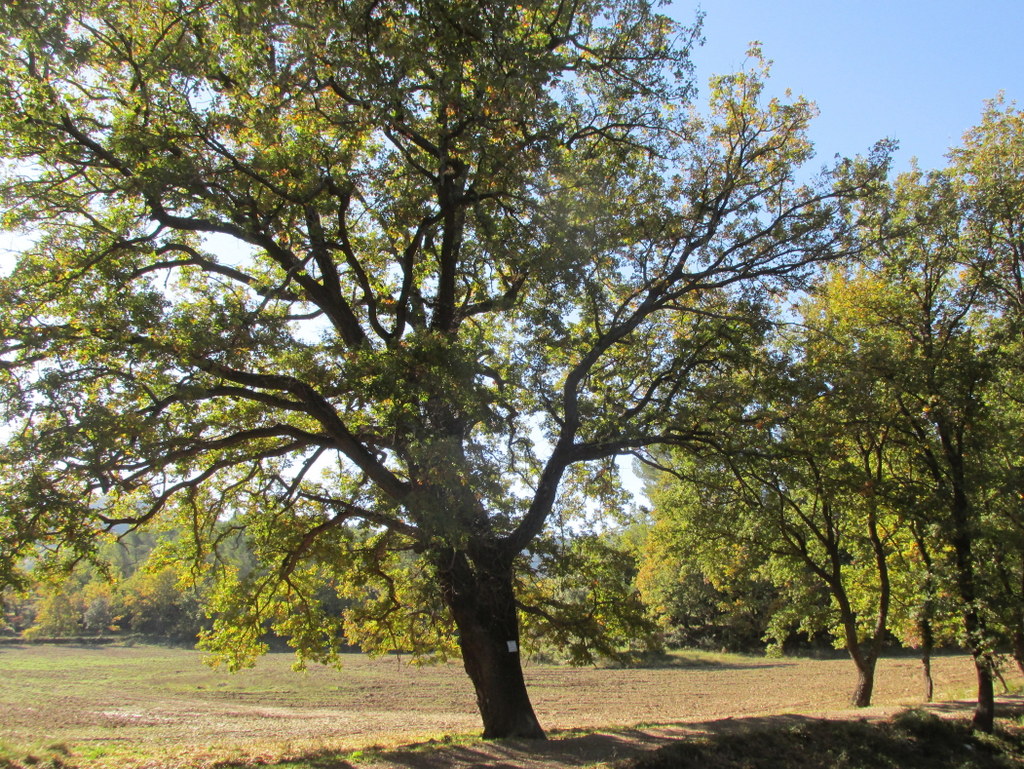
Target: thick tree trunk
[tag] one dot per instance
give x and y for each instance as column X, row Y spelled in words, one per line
column 985, row 712
column 482, row 603
column 865, row 681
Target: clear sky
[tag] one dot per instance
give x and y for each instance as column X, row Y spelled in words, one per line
column 919, row 71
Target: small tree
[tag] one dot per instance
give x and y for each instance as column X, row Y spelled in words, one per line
column 932, row 353
column 98, row 614
column 699, row 579
column 787, row 509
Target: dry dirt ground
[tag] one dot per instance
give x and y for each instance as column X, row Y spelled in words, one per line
column 158, row 707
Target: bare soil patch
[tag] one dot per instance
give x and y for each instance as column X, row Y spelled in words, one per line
column 153, row 706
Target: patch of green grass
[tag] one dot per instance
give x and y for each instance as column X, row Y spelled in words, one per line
column 94, row 752
column 913, row 740
column 701, row 658
column 76, row 756
column 694, row 658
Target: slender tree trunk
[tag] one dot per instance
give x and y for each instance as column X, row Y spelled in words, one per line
column 864, row 655
column 926, row 675
column 927, row 645
column 962, row 540
column 866, row 685
column 974, row 626
column 984, row 712
column 1018, row 648
column 482, row 602
column 925, row 614
column 1018, row 633
column 1018, row 630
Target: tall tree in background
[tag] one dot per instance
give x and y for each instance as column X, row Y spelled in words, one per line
column 988, row 170
column 934, row 354
column 366, row 281
column 793, row 492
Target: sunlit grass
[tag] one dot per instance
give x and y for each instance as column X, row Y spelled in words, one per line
column 125, row 708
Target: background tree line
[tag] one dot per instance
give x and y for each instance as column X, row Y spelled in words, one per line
column 873, row 478
column 129, row 590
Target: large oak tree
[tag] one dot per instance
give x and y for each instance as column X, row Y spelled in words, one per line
column 367, row 282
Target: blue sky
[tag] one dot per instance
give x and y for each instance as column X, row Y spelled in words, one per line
column 912, row 70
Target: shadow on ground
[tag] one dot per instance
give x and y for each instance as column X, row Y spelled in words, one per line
column 559, row 750
column 935, row 735
column 915, row 739
column 1007, row 706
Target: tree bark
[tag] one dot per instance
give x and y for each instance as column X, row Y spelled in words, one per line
column 864, row 655
column 985, row 711
column 926, row 613
column 865, row 680
column 927, row 644
column 1018, row 631
column 962, row 540
column 482, row 601
column 1018, row 648
column 873, row 646
column 974, row 626
column 926, row 675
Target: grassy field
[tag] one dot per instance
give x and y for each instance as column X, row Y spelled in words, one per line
column 148, row 706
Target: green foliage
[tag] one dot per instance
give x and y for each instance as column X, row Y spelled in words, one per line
column 153, row 603
column 58, row 614
column 700, row 585
column 584, row 603
column 149, row 602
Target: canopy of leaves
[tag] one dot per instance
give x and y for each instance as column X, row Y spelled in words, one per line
column 367, row 279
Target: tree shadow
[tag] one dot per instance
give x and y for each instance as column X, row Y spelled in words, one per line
column 1007, row 706
column 926, row 734
column 577, row 750
column 913, row 739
